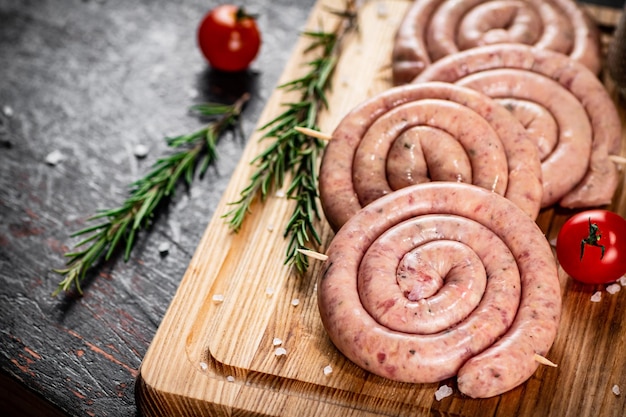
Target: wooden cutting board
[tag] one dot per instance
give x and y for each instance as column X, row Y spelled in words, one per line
column 211, row 358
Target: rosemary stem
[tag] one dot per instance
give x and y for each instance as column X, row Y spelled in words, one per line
column 148, row 194
column 293, row 153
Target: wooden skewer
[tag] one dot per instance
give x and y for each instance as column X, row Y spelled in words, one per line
column 313, row 133
column 544, row 361
column 313, row 254
column 618, row 159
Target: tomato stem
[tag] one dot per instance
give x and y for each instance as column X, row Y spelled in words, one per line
column 243, row 15
column 592, row 239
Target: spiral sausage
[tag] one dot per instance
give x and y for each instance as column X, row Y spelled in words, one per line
column 433, row 29
column 579, row 172
column 385, row 144
column 384, row 276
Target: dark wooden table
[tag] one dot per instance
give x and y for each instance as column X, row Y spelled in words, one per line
column 92, row 80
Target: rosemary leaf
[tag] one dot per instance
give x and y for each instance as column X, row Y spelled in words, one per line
column 117, row 235
column 130, row 241
column 87, row 240
column 89, row 229
column 211, row 109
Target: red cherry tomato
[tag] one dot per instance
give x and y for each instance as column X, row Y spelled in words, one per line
column 229, row 38
column 591, row 246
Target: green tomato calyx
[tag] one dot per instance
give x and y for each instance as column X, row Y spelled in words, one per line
column 592, row 240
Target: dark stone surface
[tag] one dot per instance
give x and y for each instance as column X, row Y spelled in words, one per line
column 93, row 79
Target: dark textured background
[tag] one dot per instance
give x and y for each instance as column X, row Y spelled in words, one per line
column 93, row 79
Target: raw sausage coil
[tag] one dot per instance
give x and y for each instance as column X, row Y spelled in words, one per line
column 433, row 29
column 564, row 94
column 422, row 132
column 410, row 257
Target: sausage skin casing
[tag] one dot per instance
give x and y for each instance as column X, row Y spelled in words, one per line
column 491, row 350
column 433, row 29
column 353, row 171
column 485, row 68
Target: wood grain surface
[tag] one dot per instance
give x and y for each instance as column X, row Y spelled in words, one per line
column 219, row 358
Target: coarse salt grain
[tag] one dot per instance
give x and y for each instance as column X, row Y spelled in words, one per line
column 280, row 193
column 164, row 248
column 613, row 288
column 277, row 341
column 381, row 10
column 281, row 351
column 140, row 151
column 8, row 111
column 230, row 378
column 596, row 297
column 270, row 228
column 269, row 291
column 443, row 392
column 295, row 302
column 218, row 298
column 328, row 370
column 622, row 281
column 54, row 158
column 192, row 93
column 616, row 390
column 204, row 366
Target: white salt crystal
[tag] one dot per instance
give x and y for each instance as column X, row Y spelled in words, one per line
column 381, row 10
column 280, row 193
column 295, row 302
column 218, row 298
column 596, row 297
column 443, row 392
column 281, row 351
column 277, row 341
column 192, row 93
column 54, row 158
column 164, row 248
column 616, row 390
column 622, row 281
column 140, row 151
column 230, row 378
column 8, row 111
column 613, row 288
column 204, row 366
column 269, row 291
column 328, row 370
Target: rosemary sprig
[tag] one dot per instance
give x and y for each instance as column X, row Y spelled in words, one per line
column 119, row 226
column 293, row 153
